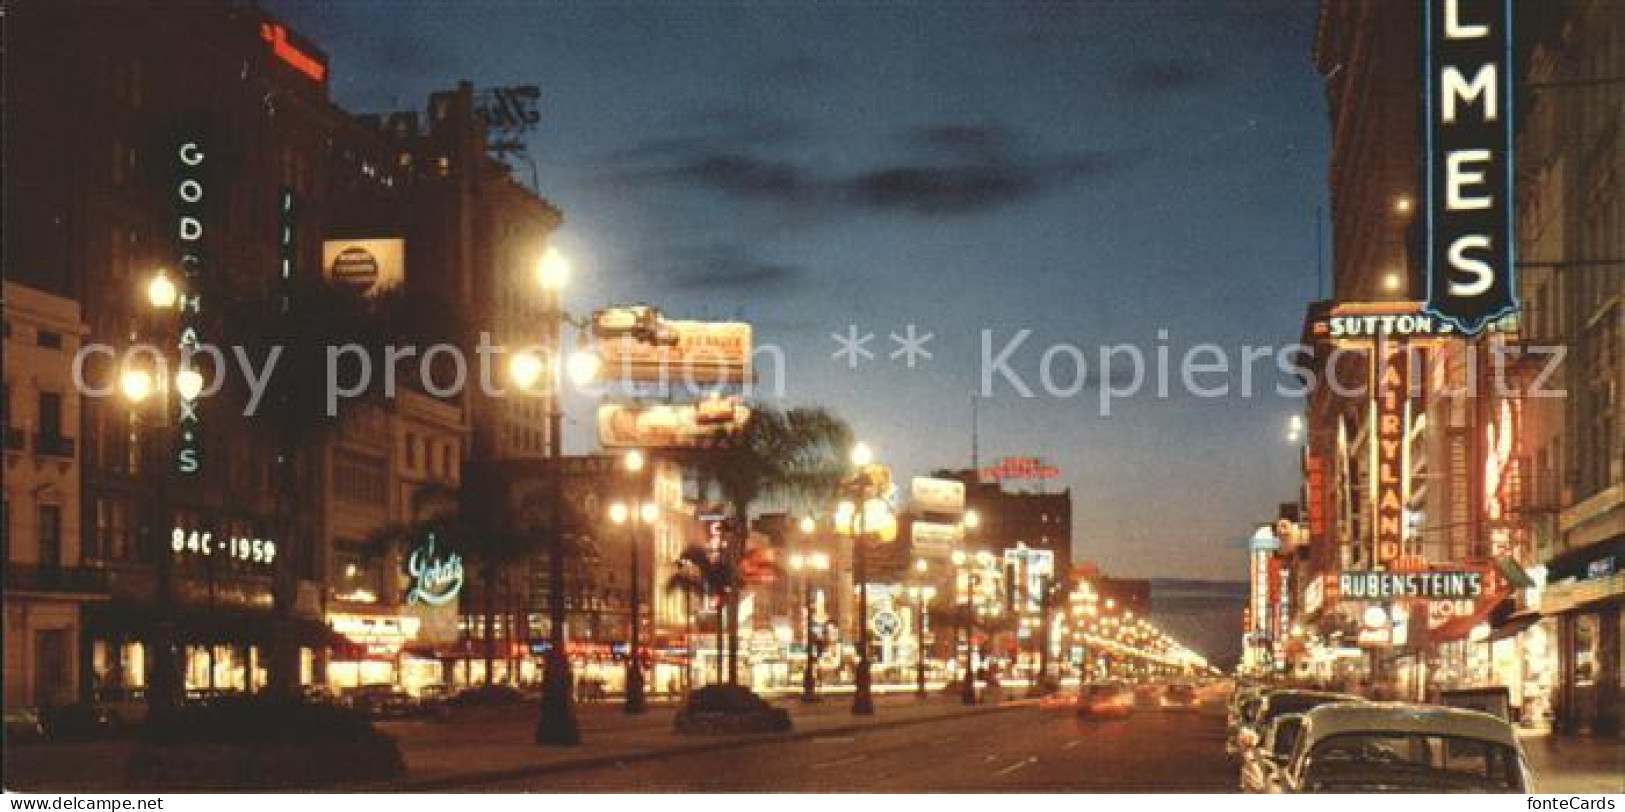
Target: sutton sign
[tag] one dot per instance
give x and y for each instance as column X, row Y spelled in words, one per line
column 1467, row 114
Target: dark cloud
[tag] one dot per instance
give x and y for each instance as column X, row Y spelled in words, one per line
column 945, row 170
column 721, row 267
column 1161, row 76
column 940, row 190
column 979, row 141
column 713, row 128
column 973, row 187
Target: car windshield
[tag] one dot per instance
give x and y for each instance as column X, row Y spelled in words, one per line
column 1410, row 762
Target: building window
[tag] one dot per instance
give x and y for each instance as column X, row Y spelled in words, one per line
column 359, row 478
column 50, row 536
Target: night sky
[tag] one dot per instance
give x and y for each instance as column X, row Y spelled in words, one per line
column 1094, row 172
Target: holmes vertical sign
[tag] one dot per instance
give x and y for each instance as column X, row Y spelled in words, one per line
column 1467, row 137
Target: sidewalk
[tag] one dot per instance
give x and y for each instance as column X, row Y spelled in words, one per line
column 1575, row 764
column 491, row 744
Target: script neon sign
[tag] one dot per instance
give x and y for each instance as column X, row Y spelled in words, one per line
column 435, row 581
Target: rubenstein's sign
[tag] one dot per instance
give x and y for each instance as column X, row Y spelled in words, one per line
column 1384, row 586
column 1467, row 174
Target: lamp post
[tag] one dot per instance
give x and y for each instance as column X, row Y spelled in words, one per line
column 863, row 702
column 647, row 514
column 137, row 385
column 806, row 565
column 557, row 723
column 921, row 594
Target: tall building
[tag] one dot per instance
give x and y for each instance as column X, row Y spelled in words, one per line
column 171, row 138
column 47, row 586
column 1464, row 466
column 1565, row 485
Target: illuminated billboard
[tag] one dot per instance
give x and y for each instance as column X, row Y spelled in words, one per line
column 369, row 265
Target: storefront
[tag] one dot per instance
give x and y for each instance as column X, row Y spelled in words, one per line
column 1585, row 592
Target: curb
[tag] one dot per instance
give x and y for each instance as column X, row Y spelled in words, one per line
column 637, row 756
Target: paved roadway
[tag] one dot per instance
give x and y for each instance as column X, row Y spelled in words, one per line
column 1029, row 749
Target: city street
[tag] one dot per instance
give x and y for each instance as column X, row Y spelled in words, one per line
column 1070, row 396
column 1027, row 750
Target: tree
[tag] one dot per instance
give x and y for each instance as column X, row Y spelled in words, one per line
column 702, row 575
column 795, row 454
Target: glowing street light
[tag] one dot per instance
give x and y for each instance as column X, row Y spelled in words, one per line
column 583, row 366
column 633, row 461
column 189, row 383
column 526, row 368
column 161, row 293
column 135, row 385
column 553, row 270
column 862, row 455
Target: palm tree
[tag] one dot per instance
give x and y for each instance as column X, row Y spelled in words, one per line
column 787, row 454
column 478, row 532
column 700, row 574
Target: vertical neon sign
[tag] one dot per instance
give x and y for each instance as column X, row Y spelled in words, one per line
column 189, row 156
column 1468, row 146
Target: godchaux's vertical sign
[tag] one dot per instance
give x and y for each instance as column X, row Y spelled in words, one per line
column 190, row 174
column 1467, row 157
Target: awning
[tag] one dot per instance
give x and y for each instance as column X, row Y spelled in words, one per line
column 200, row 625
column 1514, row 624
column 1461, row 626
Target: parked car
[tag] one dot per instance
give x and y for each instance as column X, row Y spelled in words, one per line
column 1244, row 703
column 381, row 700
column 319, row 695
column 1180, row 695
column 1262, row 766
column 1275, row 703
column 127, row 706
column 23, row 726
column 1104, row 699
column 83, row 721
column 1396, row 747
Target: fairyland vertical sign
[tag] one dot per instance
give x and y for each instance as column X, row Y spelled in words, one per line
column 1467, row 161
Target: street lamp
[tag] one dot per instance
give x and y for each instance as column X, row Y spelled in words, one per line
column 622, row 514
column 862, row 488
column 967, row 685
column 921, row 594
column 556, row 723
column 553, row 270
column 161, row 292
column 809, row 563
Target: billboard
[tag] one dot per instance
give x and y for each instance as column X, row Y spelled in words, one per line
column 370, row 265
column 697, row 352
column 931, row 495
column 670, row 425
column 1467, row 173
column 936, row 538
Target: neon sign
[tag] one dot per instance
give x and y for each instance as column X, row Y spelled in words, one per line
column 1467, row 114
column 1390, row 410
column 308, row 64
column 189, row 169
column 435, row 581
column 203, row 542
column 1021, row 468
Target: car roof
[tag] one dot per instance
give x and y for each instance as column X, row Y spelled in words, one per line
column 1399, row 717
